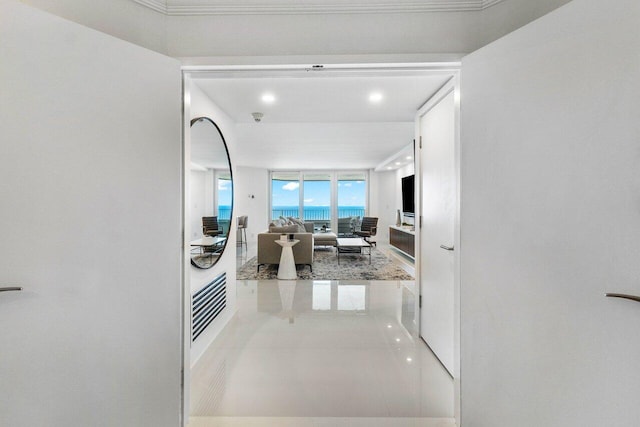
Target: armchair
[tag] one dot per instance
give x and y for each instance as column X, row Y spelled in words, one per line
column 210, row 226
column 368, row 229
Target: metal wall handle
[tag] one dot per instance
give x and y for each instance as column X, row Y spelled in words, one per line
column 623, row 296
column 447, row 248
column 11, row 288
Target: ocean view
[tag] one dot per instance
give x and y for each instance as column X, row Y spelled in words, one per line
column 316, row 213
column 311, row 213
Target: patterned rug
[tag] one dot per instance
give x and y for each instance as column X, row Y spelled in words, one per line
column 325, row 267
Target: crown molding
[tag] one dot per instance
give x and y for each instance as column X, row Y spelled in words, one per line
column 292, row 7
column 488, row 3
column 157, row 5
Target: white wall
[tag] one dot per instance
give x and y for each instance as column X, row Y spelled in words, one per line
column 272, row 35
column 383, row 202
column 124, row 19
column 509, row 15
column 199, row 105
column 550, row 183
column 252, row 182
column 90, row 224
column 201, row 190
column 196, row 203
column 348, row 34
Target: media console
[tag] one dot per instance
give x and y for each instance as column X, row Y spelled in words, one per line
column 402, row 239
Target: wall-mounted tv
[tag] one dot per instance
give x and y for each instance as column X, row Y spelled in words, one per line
column 408, row 195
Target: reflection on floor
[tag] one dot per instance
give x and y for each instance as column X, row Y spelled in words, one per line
column 321, row 353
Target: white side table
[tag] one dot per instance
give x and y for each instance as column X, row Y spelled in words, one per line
column 287, row 268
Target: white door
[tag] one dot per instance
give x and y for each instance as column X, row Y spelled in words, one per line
column 90, row 153
column 551, row 222
column 438, row 209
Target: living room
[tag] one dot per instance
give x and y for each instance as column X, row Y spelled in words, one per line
column 294, row 144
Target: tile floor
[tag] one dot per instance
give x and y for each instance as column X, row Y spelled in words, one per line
column 321, row 353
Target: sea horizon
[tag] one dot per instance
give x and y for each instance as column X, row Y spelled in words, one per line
column 311, row 213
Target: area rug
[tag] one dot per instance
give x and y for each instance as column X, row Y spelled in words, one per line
column 325, row 267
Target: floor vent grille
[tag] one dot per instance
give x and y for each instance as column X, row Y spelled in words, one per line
column 207, row 304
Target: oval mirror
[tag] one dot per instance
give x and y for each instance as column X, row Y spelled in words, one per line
column 211, row 191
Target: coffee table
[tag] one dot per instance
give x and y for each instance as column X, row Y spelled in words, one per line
column 352, row 246
column 209, row 249
column 209, row 242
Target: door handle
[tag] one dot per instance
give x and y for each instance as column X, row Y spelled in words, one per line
column 623, row 296
column 11, row 288
column 447, row 248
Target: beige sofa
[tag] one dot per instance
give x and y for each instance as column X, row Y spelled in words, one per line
column 269, row 251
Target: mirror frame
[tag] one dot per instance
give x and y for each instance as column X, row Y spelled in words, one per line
column 226, row 149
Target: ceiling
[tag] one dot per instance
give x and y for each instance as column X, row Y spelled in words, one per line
column 322, row 121
column 323, row 99
column 275, row 7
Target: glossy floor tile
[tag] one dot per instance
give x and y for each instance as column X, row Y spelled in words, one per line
column 316, row 352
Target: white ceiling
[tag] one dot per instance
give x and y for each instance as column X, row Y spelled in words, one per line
column 323, row 99
column 322, row 121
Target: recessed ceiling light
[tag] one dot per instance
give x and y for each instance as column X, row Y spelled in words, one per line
column 397, row 163
column 409, row 157
column 375, row 97
column 409, row 359
column 268, row 98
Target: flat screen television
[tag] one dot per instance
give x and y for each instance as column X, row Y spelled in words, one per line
column 408, row 194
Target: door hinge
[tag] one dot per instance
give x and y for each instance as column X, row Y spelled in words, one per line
column 420, row 141
column 420, row 221
column 420, row 301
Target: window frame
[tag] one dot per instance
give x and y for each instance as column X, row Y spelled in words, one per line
column 333, row 178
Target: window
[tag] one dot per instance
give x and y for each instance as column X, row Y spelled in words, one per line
column 285, row 194
column 321, row 197
column 317, row 199
column 352, row 194
column 224, row 192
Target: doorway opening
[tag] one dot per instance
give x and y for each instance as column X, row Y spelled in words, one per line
column 322, row 129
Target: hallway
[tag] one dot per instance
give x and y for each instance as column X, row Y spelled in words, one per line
column 321, row 353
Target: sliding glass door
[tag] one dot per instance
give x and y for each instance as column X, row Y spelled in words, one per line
column 328, row 199
column 316, row 199
column 352, row 201
column 285, row 194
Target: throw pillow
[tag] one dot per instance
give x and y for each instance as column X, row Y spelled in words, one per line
column 299, row 223
column 284, row 229
column 285, row 221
